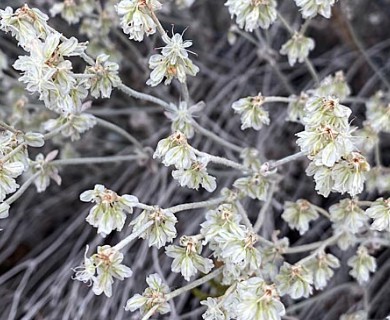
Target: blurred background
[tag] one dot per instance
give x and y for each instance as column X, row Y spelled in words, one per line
column 46, row 233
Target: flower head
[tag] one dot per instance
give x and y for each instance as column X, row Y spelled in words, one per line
column 187, row 259
column 161, row 231
column 298, row 214
column 108, row 213
column 252, row 112
column 297, row 48
column 251, row 14
column 380, row 212
column 154, row 295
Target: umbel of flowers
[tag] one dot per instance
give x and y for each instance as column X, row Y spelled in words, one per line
column 327, row 140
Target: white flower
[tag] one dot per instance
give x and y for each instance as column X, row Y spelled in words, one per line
column 321, row 267
column 196, row 175
column 9, row 171
column 173, row 62
column 295, row 109
column 333, row 86
column 176, row 151
column 255, row 186
column 297, row 48
column 214, row 310
column 101, row 269
column 86, row 272
column 349, row 214
column 322, row 177
column 258, row 301
column 298, row 214
column 25, row 24
column 181, row 117
column 135, row 17
column 73, row 123
column 326, row 111
column 152, row 296
column 310, row 8
column 47, row 171
column 105, row 77
column 294, row 280
column 252, row 112
column 380, row 212
column 349, row 174
column 109, row 212
column 362, row 264
column 161, row 231
column 225, row 217
column 187, row 259
column 237, row 246
column 72, row 10
column 251, row 14
column 324, row 144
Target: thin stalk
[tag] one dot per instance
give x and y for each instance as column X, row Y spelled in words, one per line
column 119, row 130
column 93, row 160
column 278, row 163
column 22, row 189
column 260, row 220
column 215, row 137
column 120, row 245
column 8, row 127
column 222, row 161
column 196, row 205
column 194, row 284
column 142, row 96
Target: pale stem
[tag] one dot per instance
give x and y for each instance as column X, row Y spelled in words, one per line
column 150, row 312
column 322, row 247
column 196, row 205
column 215, row 137
column 278, row 99
column 321, row 211
column 56, row 131
column 222, row 161
column 144, row 207
column 293, row 157
column 142, row 96
column 22, row 189
column 12, row 153
column 264, row 209
column 244, row 215
column 186, row 93
column 194, row 284
column 157, row 22
column 82, row 161
column 120, row 245
column 120, row 131
column 303, row 248
column 8, row 127
column 365, row 203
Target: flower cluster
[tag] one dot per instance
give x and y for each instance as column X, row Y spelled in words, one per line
column 108, row 213
column 161, row 231
column 173, row 62
column 187, row 259
column 136, row 17
column 297, row 48
column 310, row 8
column 101, row 269
column 252, row 14
column 153, row 296
column 191, row 170
column 328, row 142
column 252, row 112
